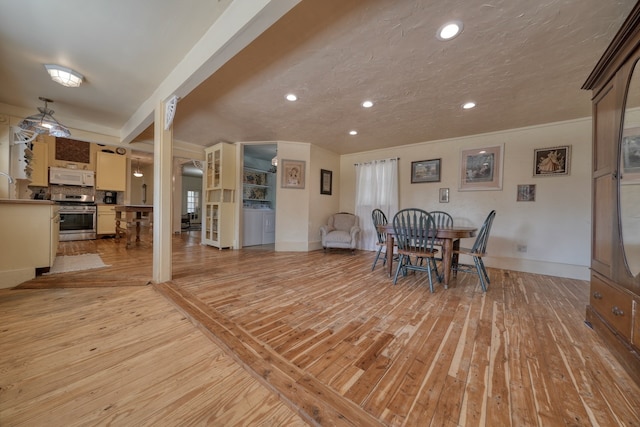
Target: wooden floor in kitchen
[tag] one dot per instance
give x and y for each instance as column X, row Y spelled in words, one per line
column 256, row 337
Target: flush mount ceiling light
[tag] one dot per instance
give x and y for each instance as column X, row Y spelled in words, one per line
column 291, row 97
column 469, row 105
column 353, row 132
column 367, row 104
column 449, row 30
column 63, row 75
column 44, row 122
column 138, row 173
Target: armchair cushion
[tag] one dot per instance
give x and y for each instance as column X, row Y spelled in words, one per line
column 342, row 231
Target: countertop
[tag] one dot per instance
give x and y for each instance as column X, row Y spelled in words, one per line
column 26, row 202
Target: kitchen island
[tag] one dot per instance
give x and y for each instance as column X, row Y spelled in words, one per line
column 29, row 234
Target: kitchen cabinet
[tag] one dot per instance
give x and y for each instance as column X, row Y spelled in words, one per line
column 40, row 163
column 219, row 183
column 106, row 222
column 268, row 227
column 29, row 235
column 111, row 171
column 257, row 188
column 258, row 227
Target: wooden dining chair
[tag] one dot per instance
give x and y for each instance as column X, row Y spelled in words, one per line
column 478, row 251
column 379, row 218
column 442, row 219
column 415, row 232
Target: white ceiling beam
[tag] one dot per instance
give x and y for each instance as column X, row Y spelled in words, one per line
column 238, row 26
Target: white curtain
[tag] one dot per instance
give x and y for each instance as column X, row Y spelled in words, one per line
column 376, row 187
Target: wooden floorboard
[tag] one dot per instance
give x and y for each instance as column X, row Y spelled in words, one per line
column 255, row 337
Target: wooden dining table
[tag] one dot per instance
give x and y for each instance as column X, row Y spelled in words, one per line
column 134, row 216
column 450, row 237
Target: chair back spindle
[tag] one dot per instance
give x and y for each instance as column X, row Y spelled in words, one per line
column 379, row 218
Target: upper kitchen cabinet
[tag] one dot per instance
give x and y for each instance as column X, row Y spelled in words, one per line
column 40, row 161
column 111, row 171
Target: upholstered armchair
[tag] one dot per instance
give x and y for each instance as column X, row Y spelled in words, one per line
column 342, row 231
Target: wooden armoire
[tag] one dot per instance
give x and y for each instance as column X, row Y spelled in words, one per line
column 614, row 303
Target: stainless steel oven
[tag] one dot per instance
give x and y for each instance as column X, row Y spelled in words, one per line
column 78, row 214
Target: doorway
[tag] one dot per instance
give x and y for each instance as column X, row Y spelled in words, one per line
column 258, row 213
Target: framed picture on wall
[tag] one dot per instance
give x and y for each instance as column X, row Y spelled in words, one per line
column 293, row 174
column 425, row 171
column 552, row 161
column 444, row 195
column 325, row 181
column 526, row 193
column 630, row 156
column 481, row 169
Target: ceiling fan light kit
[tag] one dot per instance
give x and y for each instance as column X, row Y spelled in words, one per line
column 44, row 122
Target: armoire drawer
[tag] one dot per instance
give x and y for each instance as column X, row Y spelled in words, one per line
column 613, row 304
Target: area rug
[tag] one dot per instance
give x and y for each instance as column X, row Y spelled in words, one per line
column 67, row 263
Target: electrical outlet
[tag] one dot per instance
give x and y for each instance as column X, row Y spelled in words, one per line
column 522, row 248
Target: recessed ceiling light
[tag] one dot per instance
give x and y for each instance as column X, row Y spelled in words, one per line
column 449, row 30
column 353, row 132
column 291, row 97
column 367, row 104
column 468, row 105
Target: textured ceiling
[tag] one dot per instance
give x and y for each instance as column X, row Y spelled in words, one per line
column 523, row 62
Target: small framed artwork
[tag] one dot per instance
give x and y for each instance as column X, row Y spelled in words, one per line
column 630, row 156
column 425, row 171
column 552, row 161
column 325, row 181
column 526, row 193
column 292, row 174
column 481, row 169
column 444, row 195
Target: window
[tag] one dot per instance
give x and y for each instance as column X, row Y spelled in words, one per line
column 193, row 203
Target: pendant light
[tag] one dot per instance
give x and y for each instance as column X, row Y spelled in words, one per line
column 138, row 173
column 44, row 122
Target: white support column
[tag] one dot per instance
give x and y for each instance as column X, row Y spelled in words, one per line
column 163, row 187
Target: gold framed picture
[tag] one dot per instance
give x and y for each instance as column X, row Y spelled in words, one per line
column 292, row 174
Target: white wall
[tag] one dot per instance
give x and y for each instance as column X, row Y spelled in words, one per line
column 135, row 193
column 556, row 228
column 322, row 205
column 292, row 213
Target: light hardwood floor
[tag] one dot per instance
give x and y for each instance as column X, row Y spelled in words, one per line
column 255, row 337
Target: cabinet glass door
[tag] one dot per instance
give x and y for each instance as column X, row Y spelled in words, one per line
column 215, row 228
column 209, row 170
column 216, row 168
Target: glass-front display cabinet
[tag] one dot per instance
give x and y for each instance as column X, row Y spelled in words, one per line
column 219, row 181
